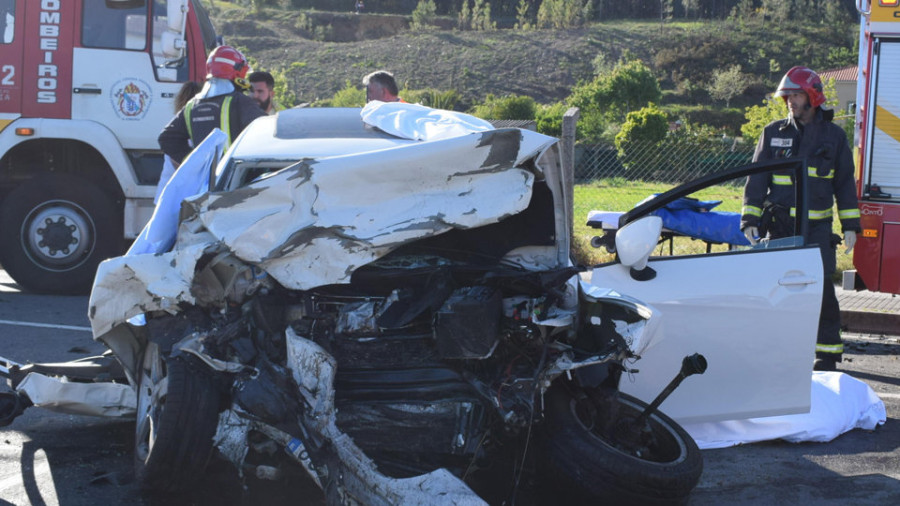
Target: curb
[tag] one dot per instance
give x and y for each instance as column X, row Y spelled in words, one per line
column 869, row 322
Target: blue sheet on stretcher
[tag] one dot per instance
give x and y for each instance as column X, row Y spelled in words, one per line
column 696, row 218
column 692, row 218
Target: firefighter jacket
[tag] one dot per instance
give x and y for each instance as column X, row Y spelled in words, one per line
column 830, row 168
column 230, row 113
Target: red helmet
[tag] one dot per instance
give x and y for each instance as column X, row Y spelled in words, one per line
column 805, row 80
column 226, row 62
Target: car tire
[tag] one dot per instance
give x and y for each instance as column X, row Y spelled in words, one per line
column 55, row 230
column 591, row 468
column 177, row 414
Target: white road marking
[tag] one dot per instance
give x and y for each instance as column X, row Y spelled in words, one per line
column 44, row 325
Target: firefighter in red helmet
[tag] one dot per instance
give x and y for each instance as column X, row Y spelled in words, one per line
column 769, row 211
column 220, row 104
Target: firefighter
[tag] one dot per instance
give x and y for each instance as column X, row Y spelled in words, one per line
column 768, row 209
column 220, row 104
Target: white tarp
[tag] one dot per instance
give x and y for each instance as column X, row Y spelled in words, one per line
column 413, row 121
column 839, row 403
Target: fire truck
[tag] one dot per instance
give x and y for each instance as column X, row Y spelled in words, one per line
column 86, row 86
column 877, row 252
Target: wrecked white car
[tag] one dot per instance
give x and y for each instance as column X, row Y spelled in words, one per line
column 392, row 302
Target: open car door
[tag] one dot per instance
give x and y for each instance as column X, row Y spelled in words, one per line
column 752, row 312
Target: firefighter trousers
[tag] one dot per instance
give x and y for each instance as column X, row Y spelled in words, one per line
column 828, row 339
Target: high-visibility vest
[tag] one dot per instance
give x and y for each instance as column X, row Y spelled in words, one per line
column 224, row 120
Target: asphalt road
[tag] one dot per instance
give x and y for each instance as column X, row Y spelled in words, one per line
column 49, row 458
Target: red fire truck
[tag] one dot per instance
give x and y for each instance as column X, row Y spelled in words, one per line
column 877, row 252
column 85, row 88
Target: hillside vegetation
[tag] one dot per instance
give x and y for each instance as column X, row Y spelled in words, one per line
column 318, row 53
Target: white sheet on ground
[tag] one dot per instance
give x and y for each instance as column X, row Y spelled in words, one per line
column 413, row 121
column 839, row 403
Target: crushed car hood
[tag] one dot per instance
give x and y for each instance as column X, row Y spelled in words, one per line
column 317, row 221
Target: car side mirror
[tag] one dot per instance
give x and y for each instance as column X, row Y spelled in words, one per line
column 634, row 244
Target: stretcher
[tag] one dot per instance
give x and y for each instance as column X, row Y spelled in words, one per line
column 685, row 217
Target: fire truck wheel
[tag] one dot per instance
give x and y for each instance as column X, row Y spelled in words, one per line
column 55, row 230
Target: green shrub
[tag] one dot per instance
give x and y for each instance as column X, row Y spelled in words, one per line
column 644, row 127
column 605, row 101
column 549, row 118
column 508, row 107
column 349, row 96
column 432, row 97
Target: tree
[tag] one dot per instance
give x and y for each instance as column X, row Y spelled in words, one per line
column 477, row 17
column 627, row 87
column 464, row 19
column 423, row 15
column 523, row 20
column 691, row 7
column 727, row 84
column 758, row 116
column 605, row 101
column 561, row 14
column 666, row 9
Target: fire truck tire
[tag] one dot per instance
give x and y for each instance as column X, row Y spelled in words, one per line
column 177, row 414
column 55, row 230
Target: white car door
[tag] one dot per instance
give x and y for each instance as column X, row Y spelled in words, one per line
column 753, row 314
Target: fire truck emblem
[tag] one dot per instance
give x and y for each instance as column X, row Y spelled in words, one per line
column 131, row 98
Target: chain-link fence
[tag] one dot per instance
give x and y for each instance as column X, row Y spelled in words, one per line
column 674, row 160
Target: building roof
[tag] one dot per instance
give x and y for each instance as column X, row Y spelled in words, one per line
column 848, row 73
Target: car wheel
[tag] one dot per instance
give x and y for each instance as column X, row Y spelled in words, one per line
column 55, row 230
column 655, row 463
column 177, row 414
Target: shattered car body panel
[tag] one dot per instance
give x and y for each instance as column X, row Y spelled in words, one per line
column 93, row 399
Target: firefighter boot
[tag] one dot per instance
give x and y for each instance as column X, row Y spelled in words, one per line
column 824, row 364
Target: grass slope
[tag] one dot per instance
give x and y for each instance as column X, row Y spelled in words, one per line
column 543, row 64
